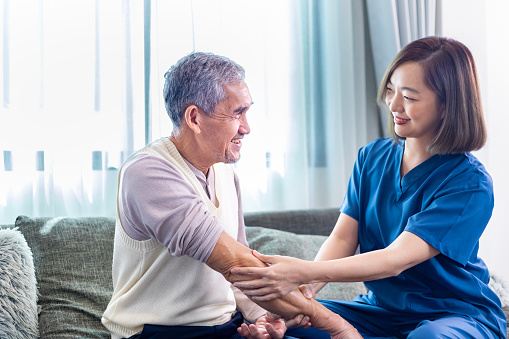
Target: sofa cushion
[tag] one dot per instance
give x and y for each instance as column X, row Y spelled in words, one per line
column 302, row 246
column 72, row 259
column 18, row 289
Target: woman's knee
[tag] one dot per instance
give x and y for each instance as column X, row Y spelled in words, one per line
column 450, row 327
column 426, row 329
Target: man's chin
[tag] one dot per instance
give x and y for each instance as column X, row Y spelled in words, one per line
column 231, row 159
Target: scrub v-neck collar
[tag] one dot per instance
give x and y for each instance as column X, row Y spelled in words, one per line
column 403, row 183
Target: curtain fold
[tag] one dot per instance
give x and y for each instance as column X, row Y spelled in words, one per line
column 336, row 102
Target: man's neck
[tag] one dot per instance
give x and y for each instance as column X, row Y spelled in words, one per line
column 188, row 151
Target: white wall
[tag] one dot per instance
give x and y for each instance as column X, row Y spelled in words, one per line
column 483, row 26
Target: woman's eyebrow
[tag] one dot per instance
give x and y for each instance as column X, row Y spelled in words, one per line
column 405, row 88
column 410, row 89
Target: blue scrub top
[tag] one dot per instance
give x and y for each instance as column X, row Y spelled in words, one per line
column 447, row 201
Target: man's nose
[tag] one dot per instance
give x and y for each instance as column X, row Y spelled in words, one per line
column 244, row 126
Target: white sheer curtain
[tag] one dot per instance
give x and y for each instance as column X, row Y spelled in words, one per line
column 331, row 110
column 309, row 69
column 82, row 89
column 68, row 114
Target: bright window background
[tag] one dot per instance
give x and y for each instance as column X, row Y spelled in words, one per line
column 483, row 27
column 68, row 75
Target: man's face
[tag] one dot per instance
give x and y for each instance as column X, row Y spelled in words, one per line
column 224, row 131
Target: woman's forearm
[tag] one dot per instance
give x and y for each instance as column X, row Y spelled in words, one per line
column 364, row 267
column 406, row 251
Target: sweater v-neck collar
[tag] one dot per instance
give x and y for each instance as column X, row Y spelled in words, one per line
column 186, row 167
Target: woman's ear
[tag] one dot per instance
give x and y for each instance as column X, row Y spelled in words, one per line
column 192, row 118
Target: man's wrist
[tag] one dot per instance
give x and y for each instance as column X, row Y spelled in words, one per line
column 272, row 316
column 255, row 315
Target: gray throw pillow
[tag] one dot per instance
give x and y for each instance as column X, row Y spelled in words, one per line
column 72, row 258
column 302, row 246
column 18, row 287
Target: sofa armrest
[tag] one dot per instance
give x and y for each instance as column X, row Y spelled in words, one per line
column 305, row 221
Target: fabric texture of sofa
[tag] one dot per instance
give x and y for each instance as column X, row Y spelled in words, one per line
column 68, row 283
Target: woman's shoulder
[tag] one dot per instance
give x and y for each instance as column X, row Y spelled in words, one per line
column 382, row 143
column 474, row 170
column 464, row 172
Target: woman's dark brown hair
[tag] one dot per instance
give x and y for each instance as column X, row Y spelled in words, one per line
column 449, row 71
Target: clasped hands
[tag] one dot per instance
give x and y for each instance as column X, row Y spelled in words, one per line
column 282, row 276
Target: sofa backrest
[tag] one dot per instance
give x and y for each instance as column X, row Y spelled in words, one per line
column 309, row 221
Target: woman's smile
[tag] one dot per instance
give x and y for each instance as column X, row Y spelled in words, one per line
column 400, row 121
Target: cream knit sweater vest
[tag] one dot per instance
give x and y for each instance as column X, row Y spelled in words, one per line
column 153, row 287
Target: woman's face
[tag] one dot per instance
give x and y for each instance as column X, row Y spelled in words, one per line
column 416, row 109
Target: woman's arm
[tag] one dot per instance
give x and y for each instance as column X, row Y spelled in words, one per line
column 343, row 240
column 285, row 273
column 341, row 243
column 405, row 252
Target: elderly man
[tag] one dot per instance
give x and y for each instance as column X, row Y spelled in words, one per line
column 180, row 227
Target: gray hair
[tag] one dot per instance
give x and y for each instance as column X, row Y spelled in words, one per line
column 198, row 79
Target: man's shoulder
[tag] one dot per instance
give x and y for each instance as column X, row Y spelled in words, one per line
column 146, row 164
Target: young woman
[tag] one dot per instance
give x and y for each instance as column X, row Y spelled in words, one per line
column 416, row 205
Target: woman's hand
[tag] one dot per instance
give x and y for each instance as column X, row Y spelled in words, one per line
column 283, row 275
column 265, row 328
column 308, row 291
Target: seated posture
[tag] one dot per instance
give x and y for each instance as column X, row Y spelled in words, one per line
column 416, row 205
column 180, row 228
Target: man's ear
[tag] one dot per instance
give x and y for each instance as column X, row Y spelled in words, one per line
column 192, row 118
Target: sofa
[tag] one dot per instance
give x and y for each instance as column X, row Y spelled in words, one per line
column 55, row 273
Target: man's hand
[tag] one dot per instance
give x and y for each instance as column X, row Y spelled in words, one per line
column 265, row 328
